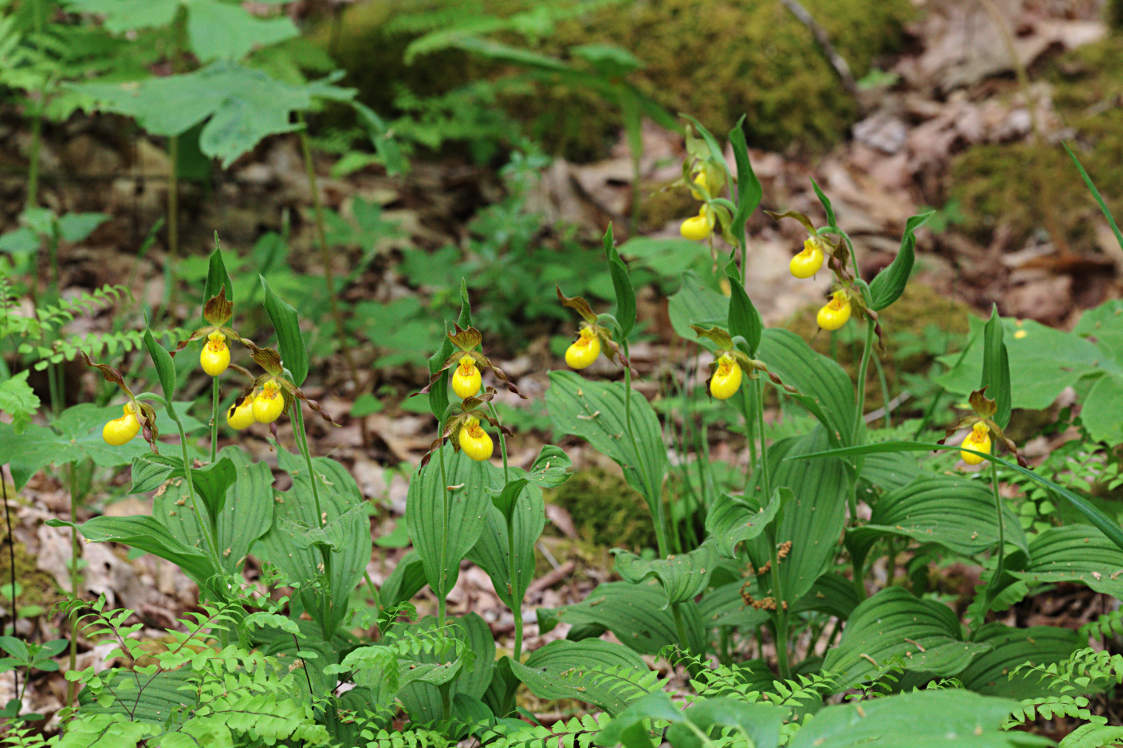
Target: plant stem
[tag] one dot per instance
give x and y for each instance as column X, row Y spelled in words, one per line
column 516, row 605
column 325, row 260
column 75, row 550
column 214, row 419
column 207, row 527
column 321, row 519
column 680, row 627
column 655, row 496
column 863, row 367
column 442, row 603
column 12, row 574
column 992, row 588
column 884, row 392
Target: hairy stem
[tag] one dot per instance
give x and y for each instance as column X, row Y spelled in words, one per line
column 12, row 578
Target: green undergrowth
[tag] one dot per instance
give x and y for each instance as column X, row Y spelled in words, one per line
column 606, row 511
column 1024, row 187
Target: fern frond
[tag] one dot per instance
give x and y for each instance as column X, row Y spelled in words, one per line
column 1085, row 671
column 412, row 738
column 1093, row 735
column 1109, row 624
column 1050, row 707
column 576, row 732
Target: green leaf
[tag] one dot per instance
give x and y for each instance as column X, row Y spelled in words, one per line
column 636, row 613
column 217, row 277
column 147, row 534
column 165, row 368
column 890, row 283
column 382, row 138
column 219, row 30
column 505, row 550
column 825, row 389
column 749, row 190
column 347, row 528
column 18, row 400
column 605, row 674
column 1099, row 412
column 812, row 512
column 1101, row 521
column 407, row 578
column 287, row 324
column 992, row 673
column 954, row 512
column 696, row 304
column 826, row 203
column 77, row 436
column 1075, row 553
column 74, row 227
column 212, row 483
column 128, row 15
column 475, row 678
column 1095, row 194
column 245, row 516
column 996, row 368
column 744, row 319
column 550, row 468
column 760, row 722
column 711, row 142
column 921, row 719
column 894, row 629
column 732, row 520
column 445, row 524
column 595, row 411
column 633, row 720
column 622, row 285
column 682, row 576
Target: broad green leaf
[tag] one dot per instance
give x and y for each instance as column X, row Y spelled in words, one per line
column 825, row 201
column 725, row 606
column 595, row 411
column 285, row 321
column 1075, row 553
column 78, row 437
column 74, row 227
column 744, row 319
column 219, row 30
column 1103, row 327
column 1101, row 521
column 669, row 257
column 246, row 515
column 244, row 105
column 633, row 721
column 550, row 468
column 921, row 719
column 475, row 677
column 149, row 535
column 407, row 578
column 347, row 526
column 636, row 613
column 826, row 391
column 1043, row 362
column 749, row 190
column 18, row 400
column 760, row 722
column 1100, row 410
column 992, row 673
column 832, row 594
column 508, row 555
column 446, row 519
column 956, row 513
column 894, row 629
column 811, row 516
column 151, row 700
column 217, row 277
column 128, row 15
column 995, row 380
column 212, row 482
column 165, row 367
column 622, row 285
column 696, row 304
column 601, row 673
column 731, row 520
column 890, row 283
column 682, row 576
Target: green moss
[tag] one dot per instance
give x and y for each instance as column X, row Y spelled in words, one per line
column 661, row 203
column 718, row 60
column 36, row 587
column 606, row 511
column 1026, row 186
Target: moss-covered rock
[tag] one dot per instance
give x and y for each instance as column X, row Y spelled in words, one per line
column 1030, row 186
column 715, row 60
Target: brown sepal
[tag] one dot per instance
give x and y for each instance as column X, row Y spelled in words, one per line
column 716, row 334
column 109, row 374
column 315, row 406
column 982, row 405
column 218, row 310
column 796, row 215
column 577, row 304
column 499, row 374
column 266, row 358
column 465, row 339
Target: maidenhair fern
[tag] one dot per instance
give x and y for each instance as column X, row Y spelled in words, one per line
column 577, row 732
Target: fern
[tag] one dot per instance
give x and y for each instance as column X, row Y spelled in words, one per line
column 577, row 732
column 1085, row 671
column 1109, row 624
column 1093, row 735
column 413, row 738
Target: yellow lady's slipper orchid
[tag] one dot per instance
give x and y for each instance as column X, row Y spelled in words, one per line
column 121, row 430
column 978, row 440
column 697, row 228
column 726, row 379
column 807, row 263
column 241, row 416
column 269, row 403
column 215, row 356
column 835, row 312
column 584, row 350
column 475, row 441
column 466, row 380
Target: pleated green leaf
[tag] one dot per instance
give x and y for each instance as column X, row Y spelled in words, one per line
column 996, row 368
column 602, row 673
column 893, row 629
column 682, row 576
column 636, row 613
column 890, row 283
column 285, row 321
column 956, row 513
column 508, row 557
column 1075, row 553
column 595, row 411
column 445, row 524
column 696, row 304
column 991, row 672
column 825, row 389
column 146, row 533
column 731, row 521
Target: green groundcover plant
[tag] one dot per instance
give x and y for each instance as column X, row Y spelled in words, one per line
column 759, row 619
